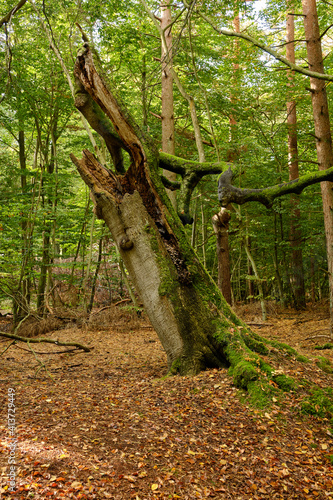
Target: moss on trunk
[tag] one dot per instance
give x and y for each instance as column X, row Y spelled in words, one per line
column 196, row 326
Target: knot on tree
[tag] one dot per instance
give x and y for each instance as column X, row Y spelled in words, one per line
column 125, row 243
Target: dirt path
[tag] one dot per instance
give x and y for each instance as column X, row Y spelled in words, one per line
column 111, row 427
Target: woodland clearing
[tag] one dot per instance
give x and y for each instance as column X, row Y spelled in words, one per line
column 110, row 425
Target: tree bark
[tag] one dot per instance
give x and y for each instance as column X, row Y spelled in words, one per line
column 195, row 325
column 222, row 219
column 221, row 228
column 23, row 293
column 11, row 13
column 295, row 229
column 322, row 127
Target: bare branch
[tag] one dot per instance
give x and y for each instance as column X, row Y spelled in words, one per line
column 324, row 33
column 43, row 340
column 10, row 14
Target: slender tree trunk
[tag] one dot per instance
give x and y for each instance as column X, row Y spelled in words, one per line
column 295, row 229
column 49, row 196
column 222, row 219
column 203, row 232
column 194, row 225
column 168, row 123
column 24, row 284
column 144, row 91
column 221, row 227
column 249, row 266
column 259, row 283
column 85, row 280
column 94, row 282
column 313, row 278
column 322, row 128
column 276, row 264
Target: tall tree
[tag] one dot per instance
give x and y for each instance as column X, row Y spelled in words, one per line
column 322, row 126
column 222, row 219
column 295, row 230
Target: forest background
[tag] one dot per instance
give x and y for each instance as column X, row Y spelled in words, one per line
column 54, row 252
column 111, row 424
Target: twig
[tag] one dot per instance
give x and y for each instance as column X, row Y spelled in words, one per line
column 8, row 346
column 39, row 352
column 42, row 365
column 100, row 310
column 317, row 336
column 121, row 301
column 254, row 323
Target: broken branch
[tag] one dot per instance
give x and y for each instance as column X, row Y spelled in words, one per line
column 43, row 340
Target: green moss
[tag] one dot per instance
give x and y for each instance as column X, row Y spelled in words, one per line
column 285, row 383
column 254, row 345
column 325, row 365
column 319, row 403
column 260, row 394
column 302, row 359
column 175, row 367
column 280, row 345
column 265, row 368
column 244, row 373
column 325, row 346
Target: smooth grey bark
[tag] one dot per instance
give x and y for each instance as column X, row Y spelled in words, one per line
column 184, row 305
column 196, row 326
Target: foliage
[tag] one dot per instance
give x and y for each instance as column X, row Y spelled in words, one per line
column 37, row 97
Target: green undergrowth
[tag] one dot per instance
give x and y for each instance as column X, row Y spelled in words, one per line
column 325, row 365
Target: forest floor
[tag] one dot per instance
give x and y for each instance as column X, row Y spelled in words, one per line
column 110, row 425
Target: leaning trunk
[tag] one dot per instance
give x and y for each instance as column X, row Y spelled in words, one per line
column 195, row 325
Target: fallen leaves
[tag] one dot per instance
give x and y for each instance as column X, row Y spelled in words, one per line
column 135, row 436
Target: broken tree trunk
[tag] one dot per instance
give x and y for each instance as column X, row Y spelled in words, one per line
column 195, row 325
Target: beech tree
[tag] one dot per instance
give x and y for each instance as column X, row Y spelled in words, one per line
column 196, row 326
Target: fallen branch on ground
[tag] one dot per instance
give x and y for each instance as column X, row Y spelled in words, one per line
column 43, row 340
column 317, row 336
column 40, row 352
